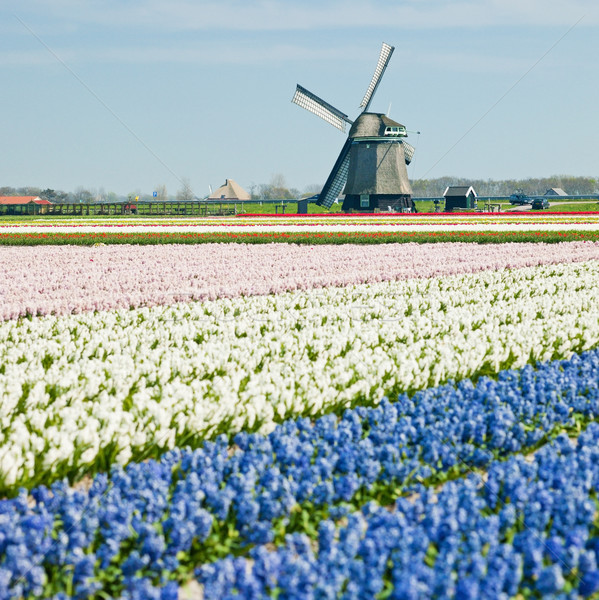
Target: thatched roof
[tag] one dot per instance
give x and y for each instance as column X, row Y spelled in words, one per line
column 371, row 125
column 230, row 190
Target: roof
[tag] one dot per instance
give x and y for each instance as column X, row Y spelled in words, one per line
column 371, row 125
column 555, row 192
column 23, row 200
column 460, row 191
column 230, row 190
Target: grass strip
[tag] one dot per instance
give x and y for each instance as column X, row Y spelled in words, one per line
column 311, row 238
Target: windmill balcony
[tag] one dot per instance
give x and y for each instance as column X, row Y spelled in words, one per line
column 396, row 132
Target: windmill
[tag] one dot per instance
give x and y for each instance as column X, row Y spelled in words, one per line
column 372, row 163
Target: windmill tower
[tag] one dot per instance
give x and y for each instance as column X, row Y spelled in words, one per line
column 372, row 163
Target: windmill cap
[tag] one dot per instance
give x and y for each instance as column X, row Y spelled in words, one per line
column 372, row 125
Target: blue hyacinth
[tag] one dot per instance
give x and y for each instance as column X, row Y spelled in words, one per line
column 529, row 524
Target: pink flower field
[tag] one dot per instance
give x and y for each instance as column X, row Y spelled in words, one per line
column 71, row 279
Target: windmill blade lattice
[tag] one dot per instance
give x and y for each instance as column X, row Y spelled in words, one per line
column 384, row 58
column 408, row 151
column 319, row 107
column 337, row 178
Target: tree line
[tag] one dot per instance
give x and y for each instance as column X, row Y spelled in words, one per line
column 573, row 186
column 277, row 189
column 82, row 195
column 78, row 195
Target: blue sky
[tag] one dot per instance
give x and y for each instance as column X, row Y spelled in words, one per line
column 126, row 95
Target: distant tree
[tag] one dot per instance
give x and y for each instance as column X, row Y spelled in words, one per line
column 185, row 193
column 278, row 181
column 262, row 192
column 111, row 197
column 53, row 196
column 276, row 189
column 7, row 191
column 578, row 185
column 99, row 194
column 161, row 193
column 532, row 186
column 28, row 191
column 311, row 190
column 253, row 191
column 81, row 195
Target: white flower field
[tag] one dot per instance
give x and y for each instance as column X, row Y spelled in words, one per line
column 141, row 380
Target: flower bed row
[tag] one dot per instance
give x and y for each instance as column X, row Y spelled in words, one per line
column 152, row 523
column 529, row 530
column 563, row 234
column 318, row 227
column 71, row 279
column 81, row 392
column 419, row 215
column 311, row 238
column 295, row 219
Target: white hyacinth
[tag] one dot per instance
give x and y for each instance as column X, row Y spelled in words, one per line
column 147, row 378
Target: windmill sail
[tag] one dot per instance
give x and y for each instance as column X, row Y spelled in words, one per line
column 408, row 151
column 337, row 178
column 319, row 107
column 384, row 58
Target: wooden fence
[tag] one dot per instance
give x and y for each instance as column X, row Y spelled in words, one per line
column 174, row 208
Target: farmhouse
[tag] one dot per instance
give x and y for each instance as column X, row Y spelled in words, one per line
column 25, row 204
column 230, row 190
column 23, row 200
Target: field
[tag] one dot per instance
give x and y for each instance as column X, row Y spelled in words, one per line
column 329, row 407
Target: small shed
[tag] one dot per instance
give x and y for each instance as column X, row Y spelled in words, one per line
column 459, row 196
column 230, row 190
column 555, row 192
column 302, row 206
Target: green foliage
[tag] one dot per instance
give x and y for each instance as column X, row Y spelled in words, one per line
column 575, row 206
column 533, row 185
column 310, row 238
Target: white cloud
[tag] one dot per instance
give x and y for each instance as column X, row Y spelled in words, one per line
column 273, row 15
column 145, row 31
column 239, row 53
